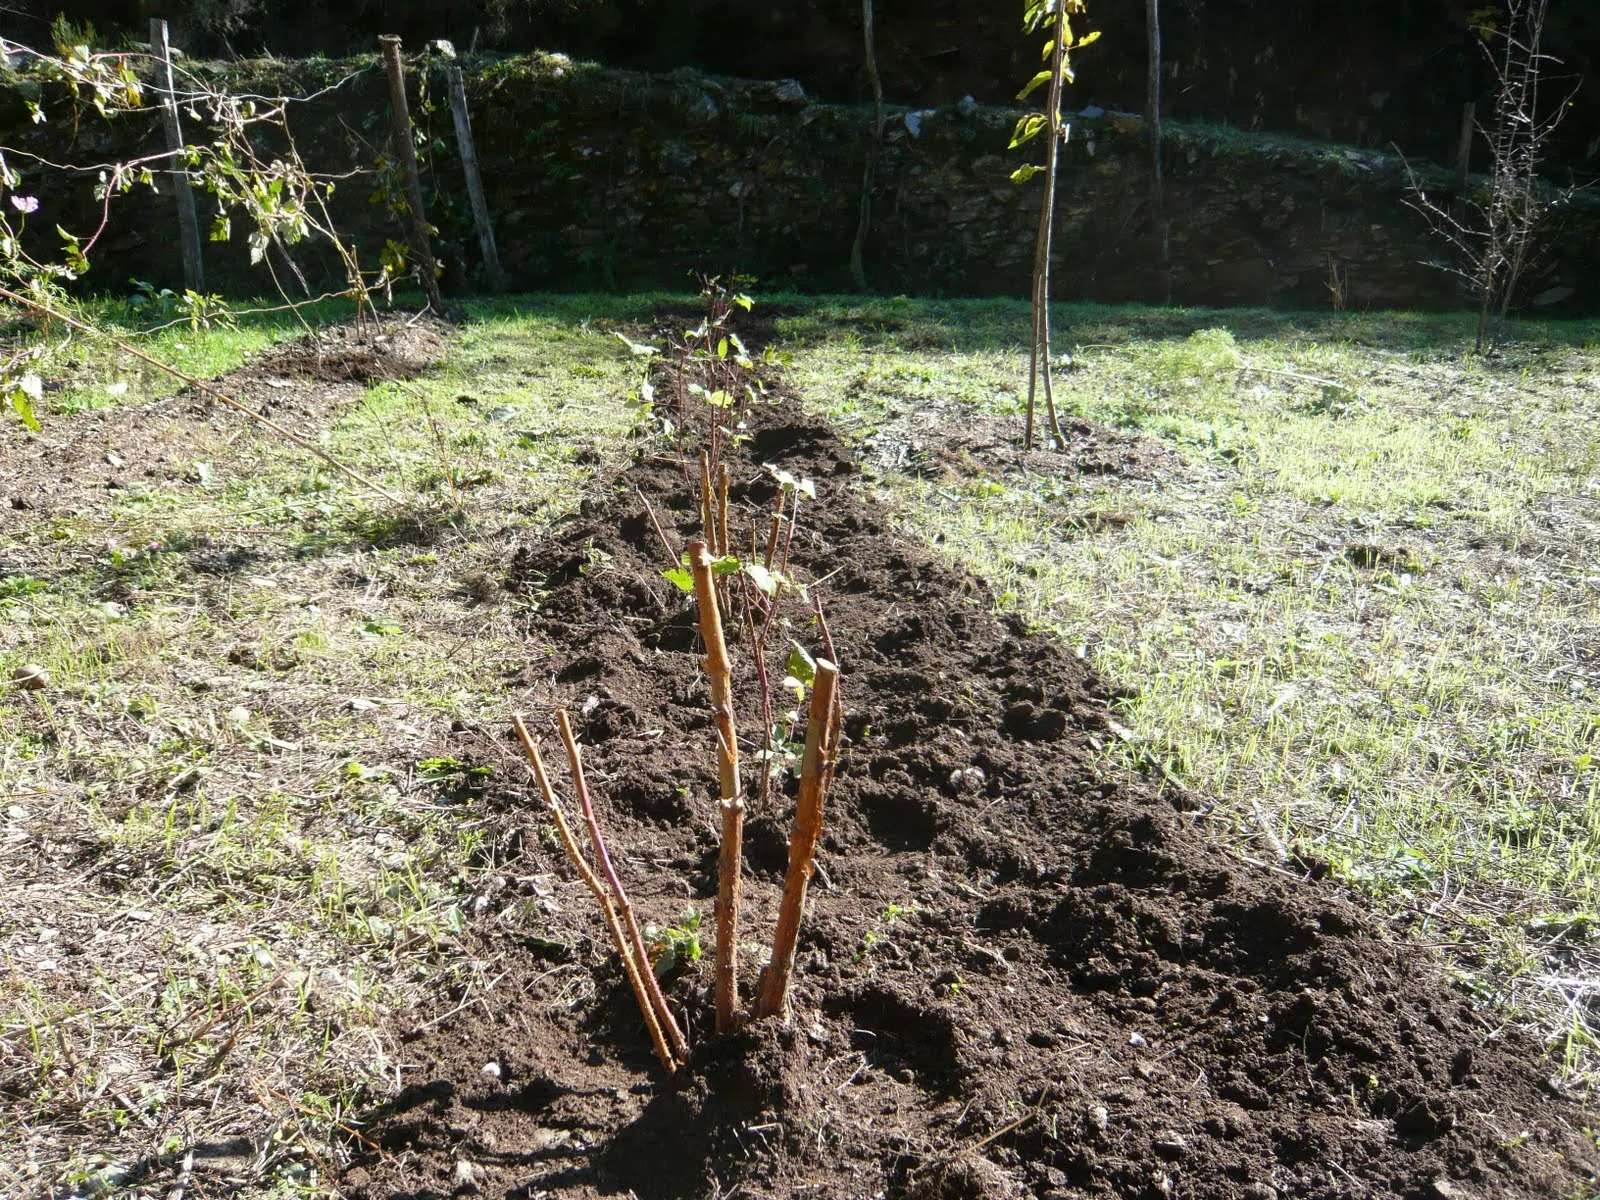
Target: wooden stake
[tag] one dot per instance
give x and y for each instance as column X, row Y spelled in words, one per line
column 652, row 986
column 494, row 279
column 406, row 152
column 719, row 676
column 815, row 771
column 1152, row 18
column 772, row 539
column 194, row 276
column 570, row 844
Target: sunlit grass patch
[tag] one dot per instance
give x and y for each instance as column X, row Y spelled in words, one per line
column 83, row 371
column 255, row 753
column 1357, row 613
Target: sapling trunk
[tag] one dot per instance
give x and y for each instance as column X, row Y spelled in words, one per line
column 708, row 511
column 722, row 510
column 719, row 677
column 633, row 969
column 602, row 857
column 815, row 771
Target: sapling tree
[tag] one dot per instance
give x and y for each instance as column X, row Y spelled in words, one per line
column 1493, row 232
column 1054, row 19
column 709, row 384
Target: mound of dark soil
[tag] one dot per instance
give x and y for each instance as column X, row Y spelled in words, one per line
column 1019, row 977
column 301, row 384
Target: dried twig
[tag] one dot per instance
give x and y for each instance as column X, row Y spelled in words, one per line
column 666, row 542
column 607, row 909
column 815, row 772
column 602, row 857
column 719, row 677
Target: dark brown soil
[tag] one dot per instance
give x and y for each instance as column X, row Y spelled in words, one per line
column 1019, row 976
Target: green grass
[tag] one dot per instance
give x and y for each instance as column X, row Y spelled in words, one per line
column 1358, row 624
column 88, row 372
column 1359, row 621
column 256, row 739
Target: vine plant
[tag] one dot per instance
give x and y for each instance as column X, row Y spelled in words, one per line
column 247, row 161
column 1054, row 19
column 707, row 384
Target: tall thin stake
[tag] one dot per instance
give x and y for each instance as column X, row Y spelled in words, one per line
column 815, row 772
column 570, row 844
column 657, row 1001
column 194, row 275
column 719, row 676
column 494, row 279
column 708, row 501
column 1158, row 217
column 722, row 508
column 406, row 152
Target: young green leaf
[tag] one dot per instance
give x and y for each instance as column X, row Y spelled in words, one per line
column 679, row 577
column 1042, row 78
column 800, row 664
column 728, row 564
column 1024, row 173
column 24, row 393
column 1028, row 128
column 638, row 348
column 765, row 580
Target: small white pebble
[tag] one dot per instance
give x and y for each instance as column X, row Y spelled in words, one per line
column 492, row 1070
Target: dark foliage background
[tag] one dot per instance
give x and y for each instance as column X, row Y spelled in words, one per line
column 1367, row 72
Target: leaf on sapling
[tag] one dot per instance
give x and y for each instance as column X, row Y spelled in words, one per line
column 639, row 348
column 680, row 578
column 728, row 564
column 742, row 301
column 792, row 483
column 800, row 664
column 1028, row 128
column 1025, row 172
column 1038, row 81
column 766, row 581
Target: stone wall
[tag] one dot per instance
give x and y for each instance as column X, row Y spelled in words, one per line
column 615, row 179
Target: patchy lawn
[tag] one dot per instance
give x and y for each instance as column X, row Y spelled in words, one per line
column 1347, row 571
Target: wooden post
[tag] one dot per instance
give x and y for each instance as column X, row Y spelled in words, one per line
column 730, row 861
column 406, row 152
column 194, row 276
column 1469, row 124
column 1152, row 116
column 493, row 277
